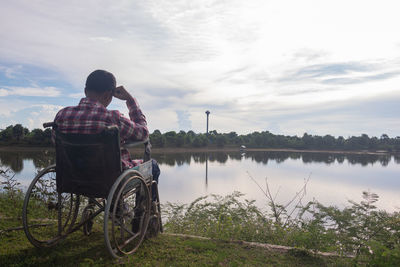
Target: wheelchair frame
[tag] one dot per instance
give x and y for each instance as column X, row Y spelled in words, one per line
column 50, row 213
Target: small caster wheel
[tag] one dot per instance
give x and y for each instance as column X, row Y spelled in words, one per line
column 88, row 225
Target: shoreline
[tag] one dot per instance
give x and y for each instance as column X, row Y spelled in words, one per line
column 211, row 149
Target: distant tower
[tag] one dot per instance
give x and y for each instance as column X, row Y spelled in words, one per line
column 208, row 113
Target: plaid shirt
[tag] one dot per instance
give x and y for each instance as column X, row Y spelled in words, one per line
column 90, row 117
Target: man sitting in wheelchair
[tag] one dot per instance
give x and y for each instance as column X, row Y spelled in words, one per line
column 92, row 170
column 91, row 116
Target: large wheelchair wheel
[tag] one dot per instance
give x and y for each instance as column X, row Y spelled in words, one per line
column 48, row 216
column 126, row 214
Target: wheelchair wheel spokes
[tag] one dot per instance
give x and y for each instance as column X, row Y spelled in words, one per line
column 47, row 215
column 130, row 208
column 128, row 217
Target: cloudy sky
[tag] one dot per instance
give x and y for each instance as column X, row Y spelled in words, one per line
column 289, row 67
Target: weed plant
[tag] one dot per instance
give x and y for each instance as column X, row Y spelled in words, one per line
column 11, row 199
column 361, row 230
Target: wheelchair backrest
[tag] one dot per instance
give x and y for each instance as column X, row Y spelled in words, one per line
column 88, row 164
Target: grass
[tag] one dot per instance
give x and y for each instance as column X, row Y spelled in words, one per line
column 164, row 250
column 10, row 211
column 222, row 219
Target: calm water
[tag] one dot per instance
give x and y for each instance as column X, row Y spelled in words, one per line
column 334, row 178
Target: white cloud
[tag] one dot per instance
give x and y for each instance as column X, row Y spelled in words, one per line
column 3, row 92
column 30, row 91
column 10, row 72
column 43, row 113
column 28, row 114
column 184, row 122
column 7, row 108
column 48, row 107
column 76, row 95
column 31, row 123
column 101, row 39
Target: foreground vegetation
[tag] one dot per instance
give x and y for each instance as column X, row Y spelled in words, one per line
column 164, row 250
column 359, row 230
column 19, row 135
column 359, row 234
column 223, row 219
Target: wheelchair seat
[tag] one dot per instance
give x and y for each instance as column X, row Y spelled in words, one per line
column 88, row 164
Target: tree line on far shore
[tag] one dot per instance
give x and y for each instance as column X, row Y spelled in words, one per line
column 19, row 135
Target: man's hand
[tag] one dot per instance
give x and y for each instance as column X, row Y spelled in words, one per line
column 121, row 93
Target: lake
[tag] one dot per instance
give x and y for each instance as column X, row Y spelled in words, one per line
column 333, row 179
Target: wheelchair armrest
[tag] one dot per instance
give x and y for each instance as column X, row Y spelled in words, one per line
column 135, row 143
column 48, row 124
column 147, row 147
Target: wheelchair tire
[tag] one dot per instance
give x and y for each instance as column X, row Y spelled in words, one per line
column 155, row 223
column 45, row 221
column 159, row 211
column 126, row 214
column 154, row 227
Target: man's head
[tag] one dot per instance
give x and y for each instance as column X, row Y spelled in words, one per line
column 100, row 85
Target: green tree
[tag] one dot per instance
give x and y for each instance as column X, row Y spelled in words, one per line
column 340, row 142
column 188, row 139
column 221, row 140
column 328, row 141
column 7, row 134
column 36, row 137
column 157, row 139
column 47, row 137
column 199, row 140
column 18, row 132
column 385, row 141
column 180, row 138
column 170, row 138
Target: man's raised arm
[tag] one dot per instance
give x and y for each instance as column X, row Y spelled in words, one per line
column 136, row 127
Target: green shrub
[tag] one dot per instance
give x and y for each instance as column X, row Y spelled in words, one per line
column 359, row 229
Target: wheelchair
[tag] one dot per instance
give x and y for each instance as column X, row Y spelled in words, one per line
column 86, row 181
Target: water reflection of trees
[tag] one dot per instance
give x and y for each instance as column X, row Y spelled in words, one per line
column 15, row 159
column 397, row 158
column 276, row 156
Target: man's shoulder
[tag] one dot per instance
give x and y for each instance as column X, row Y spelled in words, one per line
column 66, row 110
